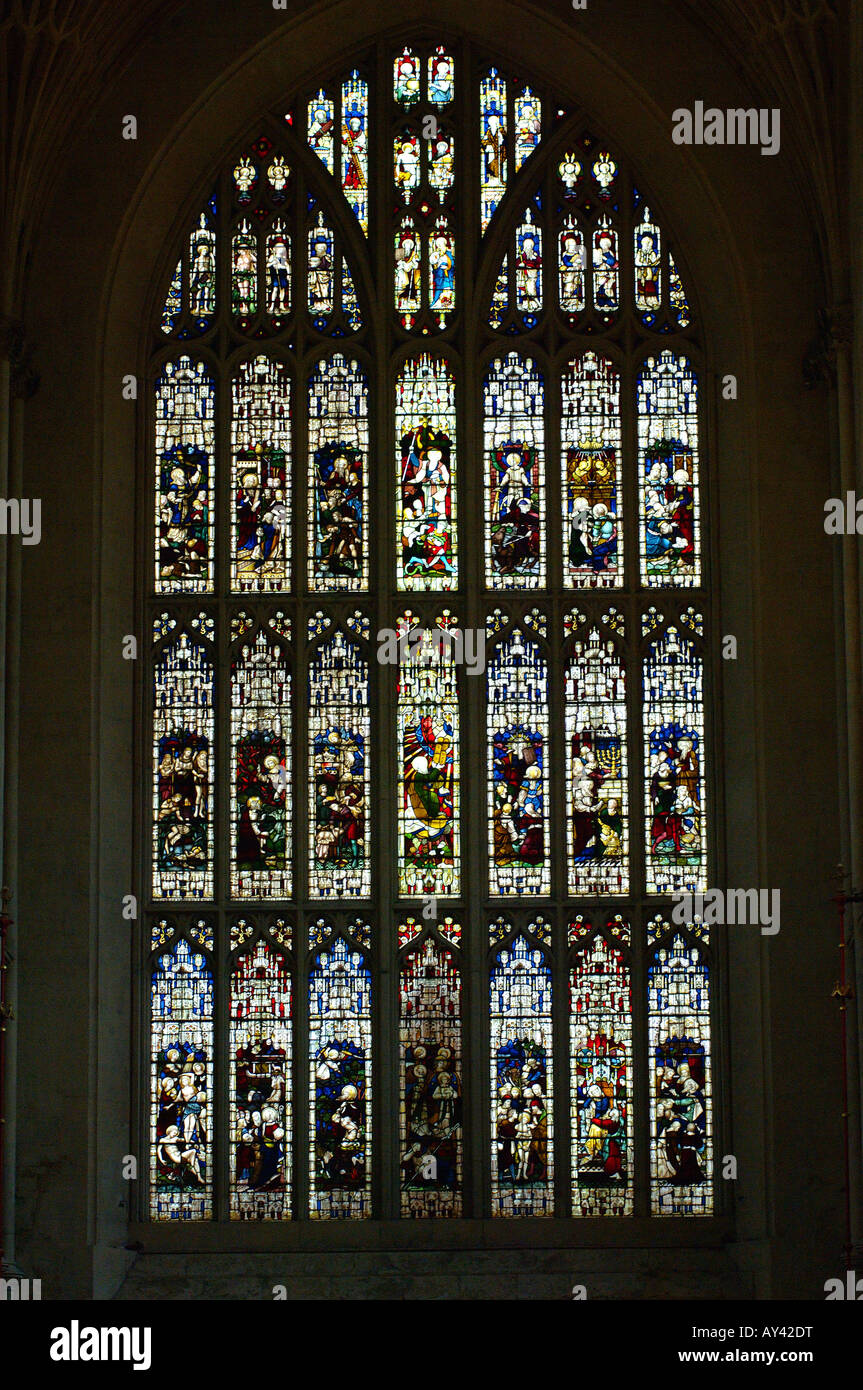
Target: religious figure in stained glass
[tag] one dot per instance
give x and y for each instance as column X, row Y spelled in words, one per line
column 518, row 767
column 521, row 1067
column 678, row 993
column 425, row 415
column 431, row 1082
column 429, row 857
column 440, row 78
column 339, row 1076
column 601, row 1069
column 182, row 1052
column 261, row 1111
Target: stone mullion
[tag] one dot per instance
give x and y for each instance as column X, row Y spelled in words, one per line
column 384, row 943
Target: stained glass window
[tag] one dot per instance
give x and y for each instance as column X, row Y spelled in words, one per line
column 600, row 1053
column 261, row 767
column 355, row 146
column 428, row 724
column 261, row 449
column 521, row 1075
column 261, row 1109
column 430, row 1096
column 518, row 764
column 494, row 146
column 668, row 472
column 514, row 400
column 590, row 465
column 338, row 476
column 411, row 262
column 426, row 463
column 597, row 784
column 183, row 727
column 674, row 756
column 321, row 124
column 340, row 1074
column 339, row 761
column 185, row 492
column 678, row 1025
column 181, row 1182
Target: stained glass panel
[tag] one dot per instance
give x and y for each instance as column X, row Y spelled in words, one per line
column 518, row 768
column 674, row 759
column 406, row 79
column 278, row 253
column 606, row 268
column 321, row 118
column 677, row 294
column 528, row 125
column 184, row 399
column 260, row 771
column 669, row 494
column 513, row 404
column 600, row 1049
column 441, row 78
column 441, row 271
column 521, row 1081
column 340, row 1092
column 182, row 771
column 261, row 449
column 441, row 162
column 571, row 267
column 500, row 295
column 648, row 267
column 604, row 172
column 202, row 271
column 355, row 148
column 528, row 265
column 431, row 1086
column 426, row 462
column 678, row 1025
column 428, row 718
column 173, row 301
column 590, row 458
column 406, row 163
column 244, row 274
column 182, row 1084
column 261, row 1057
column 596, row 765
column 338, row 476
column 320, row 272
column 408, row 272
column 339, row 864
column 493, row 137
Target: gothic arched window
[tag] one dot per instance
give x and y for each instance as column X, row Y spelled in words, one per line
column 428, row 729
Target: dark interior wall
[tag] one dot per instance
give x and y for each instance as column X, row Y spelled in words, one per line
column 750, row 250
